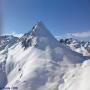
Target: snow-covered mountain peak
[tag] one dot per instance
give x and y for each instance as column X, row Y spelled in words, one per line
column 40, row 24
column 39, row 36
column 37, row 61
column 40, row 29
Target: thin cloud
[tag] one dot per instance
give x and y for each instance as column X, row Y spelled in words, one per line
column 14, row 34
column 17, row 34
column 80, row 34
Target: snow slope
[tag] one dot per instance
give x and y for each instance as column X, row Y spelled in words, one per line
column 5, row 42
column 77, row 78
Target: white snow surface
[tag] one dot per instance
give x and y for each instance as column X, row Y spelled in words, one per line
column 45, row 64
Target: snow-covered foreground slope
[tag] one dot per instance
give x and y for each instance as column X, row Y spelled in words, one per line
column 39, row 62
column 77, row 78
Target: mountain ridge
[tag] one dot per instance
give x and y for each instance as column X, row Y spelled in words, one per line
column 77, row 46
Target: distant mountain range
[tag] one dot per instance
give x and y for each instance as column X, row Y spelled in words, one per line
column 82, row 47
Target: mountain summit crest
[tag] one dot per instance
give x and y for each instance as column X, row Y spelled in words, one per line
column 41, row 35
column 39, row 27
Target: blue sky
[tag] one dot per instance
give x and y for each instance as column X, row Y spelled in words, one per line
column 60, row 16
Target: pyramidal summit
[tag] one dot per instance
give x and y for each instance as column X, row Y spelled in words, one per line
column 38, row 61
column 40, row 36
